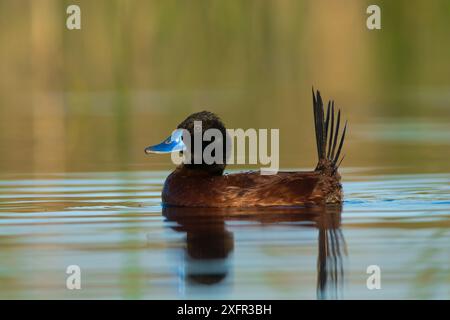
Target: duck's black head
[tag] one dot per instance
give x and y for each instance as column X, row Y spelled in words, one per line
column 196, row 125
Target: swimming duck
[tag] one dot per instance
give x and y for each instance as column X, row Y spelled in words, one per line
column 205, row 185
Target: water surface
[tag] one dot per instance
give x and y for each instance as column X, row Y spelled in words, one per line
column 112, row 225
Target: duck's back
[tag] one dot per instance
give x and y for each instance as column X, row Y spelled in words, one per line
column 193, row 189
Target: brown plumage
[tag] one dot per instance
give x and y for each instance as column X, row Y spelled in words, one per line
column 189, row 188
column 205, row 185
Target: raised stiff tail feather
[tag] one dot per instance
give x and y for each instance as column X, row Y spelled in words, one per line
column 327, row 131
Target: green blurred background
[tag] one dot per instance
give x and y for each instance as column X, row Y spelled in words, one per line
column 92, row 99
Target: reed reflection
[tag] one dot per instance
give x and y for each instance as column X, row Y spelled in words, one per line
column 209, row 245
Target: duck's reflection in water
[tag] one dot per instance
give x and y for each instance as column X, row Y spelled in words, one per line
column 209, row 245
column 331, row 250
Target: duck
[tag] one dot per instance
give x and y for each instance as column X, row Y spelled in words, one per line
column 204, row 184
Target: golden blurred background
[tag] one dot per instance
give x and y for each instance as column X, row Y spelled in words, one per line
column 92, row 99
